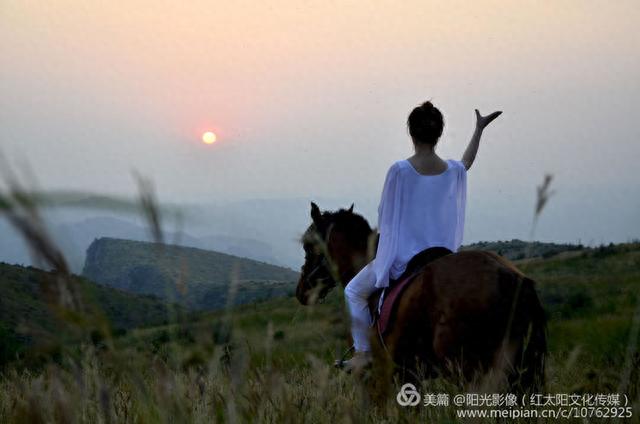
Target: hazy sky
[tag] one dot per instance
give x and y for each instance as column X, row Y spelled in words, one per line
column 309, row 99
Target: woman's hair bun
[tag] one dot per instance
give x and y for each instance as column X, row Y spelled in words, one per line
column 425, row 123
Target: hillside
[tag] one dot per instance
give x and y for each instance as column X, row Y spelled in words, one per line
column 590, row 300
column 518, row 249
column 73, row 235
column 26, row 317
column 273, row 360
column 197, row 278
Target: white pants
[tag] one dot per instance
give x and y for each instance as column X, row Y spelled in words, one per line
column 357, row 293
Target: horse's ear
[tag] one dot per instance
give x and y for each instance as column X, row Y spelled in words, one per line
column 351, row 208
column 315, row 212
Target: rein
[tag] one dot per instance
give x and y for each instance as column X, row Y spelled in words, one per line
column 324, row 262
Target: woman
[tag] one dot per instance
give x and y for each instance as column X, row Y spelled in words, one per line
column 422, row 206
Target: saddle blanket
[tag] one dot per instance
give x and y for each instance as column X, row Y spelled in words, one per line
column 390, row 295
column 388, row 301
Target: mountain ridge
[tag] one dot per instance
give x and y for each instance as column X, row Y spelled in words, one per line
column 196, row 278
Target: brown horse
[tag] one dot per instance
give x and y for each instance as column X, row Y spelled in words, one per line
column 469, row 314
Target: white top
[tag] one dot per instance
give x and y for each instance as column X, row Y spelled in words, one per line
column 417, row 212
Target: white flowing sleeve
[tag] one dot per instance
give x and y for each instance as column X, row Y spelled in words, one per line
column 461, row 203
column 388, row 226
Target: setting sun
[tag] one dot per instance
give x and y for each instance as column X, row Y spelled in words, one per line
column 209, row 137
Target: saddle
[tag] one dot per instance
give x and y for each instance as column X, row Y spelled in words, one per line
column 383, row 314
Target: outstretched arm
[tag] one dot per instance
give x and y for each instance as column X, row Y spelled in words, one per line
column 472, row 149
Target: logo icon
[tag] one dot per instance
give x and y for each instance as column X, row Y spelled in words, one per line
column 408, row 395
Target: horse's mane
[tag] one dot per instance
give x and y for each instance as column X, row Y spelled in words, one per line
column 355, row 227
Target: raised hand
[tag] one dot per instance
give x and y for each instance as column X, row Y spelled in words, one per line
column 472, row 149
column 483, row 121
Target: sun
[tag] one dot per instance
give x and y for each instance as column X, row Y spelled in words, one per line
column 209, row 137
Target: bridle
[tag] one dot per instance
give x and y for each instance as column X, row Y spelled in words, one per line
column 324, row 263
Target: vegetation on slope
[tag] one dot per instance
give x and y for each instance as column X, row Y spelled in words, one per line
column 196, row 278
column 28, row 319
column 518, row 249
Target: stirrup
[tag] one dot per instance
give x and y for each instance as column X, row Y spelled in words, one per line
column 358, row 362
column 340, row 363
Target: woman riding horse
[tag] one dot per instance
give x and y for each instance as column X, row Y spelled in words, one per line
column 472, row 308
column 422, row 206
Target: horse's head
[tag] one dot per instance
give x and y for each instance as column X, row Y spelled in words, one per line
column 336, row 247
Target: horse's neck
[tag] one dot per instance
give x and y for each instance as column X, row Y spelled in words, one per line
column 351, row 260
column 362, row 258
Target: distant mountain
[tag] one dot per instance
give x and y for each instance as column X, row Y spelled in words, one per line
column 26, row 318
column 280, row 222
column 197, row 278
column 269, row 229
column 74, row 238
column 13, row 249
column 518, row 249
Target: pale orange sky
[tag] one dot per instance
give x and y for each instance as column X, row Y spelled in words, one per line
column 310, row 98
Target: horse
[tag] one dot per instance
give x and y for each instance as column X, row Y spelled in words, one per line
column 469, row 316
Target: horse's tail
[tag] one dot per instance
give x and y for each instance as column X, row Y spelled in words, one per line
column 533, row 351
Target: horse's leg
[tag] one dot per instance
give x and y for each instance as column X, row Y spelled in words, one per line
column 377, row 380
column 444, row 340
column 528, row 331
column 388, row 355
column 410, row 340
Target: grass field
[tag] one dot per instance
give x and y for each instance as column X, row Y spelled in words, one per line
column 272, row 361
